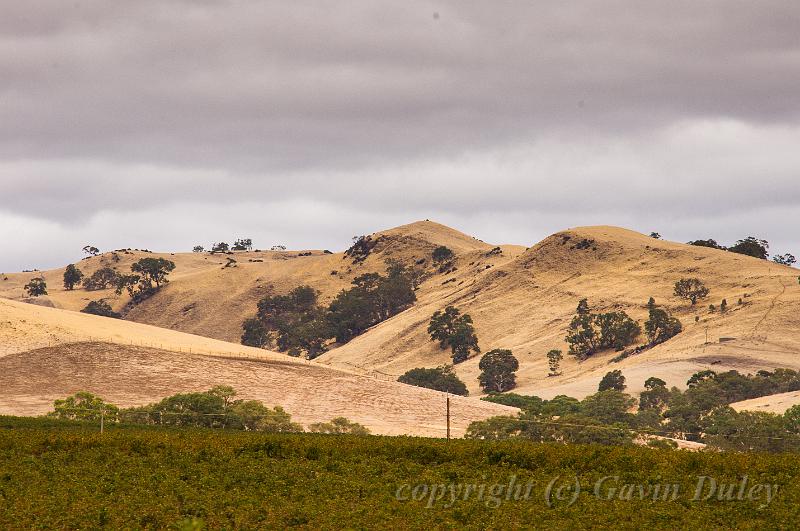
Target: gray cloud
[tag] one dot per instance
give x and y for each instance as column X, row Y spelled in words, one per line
column 328, row 119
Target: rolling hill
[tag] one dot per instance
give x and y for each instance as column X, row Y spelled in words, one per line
column 48, row 353
column 520, row 298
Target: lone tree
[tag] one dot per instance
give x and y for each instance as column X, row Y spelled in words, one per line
column 612, row 380
column 440, row 379
column 751, row 246
column 692, row 289
column 660, row 326
column 451, row 329
column 153, row 270
column 91, row 250
column 36, row 287
column 103, row 278
column 198, row 249
column 72, row 276
column 221, row 247
column 498, row 368
column 554, row 358
column 442, row 254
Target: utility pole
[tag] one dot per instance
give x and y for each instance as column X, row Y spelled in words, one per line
column 448, row 416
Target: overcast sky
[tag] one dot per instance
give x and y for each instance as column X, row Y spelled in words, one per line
column 165, row 124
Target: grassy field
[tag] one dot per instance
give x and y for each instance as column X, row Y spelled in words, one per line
column 57, row 474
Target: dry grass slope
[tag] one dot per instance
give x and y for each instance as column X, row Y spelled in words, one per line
column 49, row 353
column 520, row 298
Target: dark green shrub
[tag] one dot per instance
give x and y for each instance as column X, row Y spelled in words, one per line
column 101, row 308
column 440, row 379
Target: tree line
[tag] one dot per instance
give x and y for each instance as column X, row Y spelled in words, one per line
column 298, row 324
column 215, row 408
column 700, row 413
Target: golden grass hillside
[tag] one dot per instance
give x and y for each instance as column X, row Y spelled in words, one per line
column 520, row 298
column 209, row 295
column 48, row 353
column 525, row 302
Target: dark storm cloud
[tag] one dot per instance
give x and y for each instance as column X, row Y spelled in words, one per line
column 378, row 111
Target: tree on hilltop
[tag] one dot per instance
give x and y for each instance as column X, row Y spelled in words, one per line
column 751, row 246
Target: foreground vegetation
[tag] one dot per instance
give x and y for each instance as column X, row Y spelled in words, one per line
column 701, row 413
column 216, row 408
column 61, row 474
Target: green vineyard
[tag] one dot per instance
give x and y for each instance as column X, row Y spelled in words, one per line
column 66, row 475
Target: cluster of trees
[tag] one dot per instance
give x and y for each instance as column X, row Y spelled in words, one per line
column 498, row 375
column 147, row 276
column 362, row 246
column 785, row 259
column 454, row 330
column 589, row 333
column 241, row 244
column 372, row 299
column 700, row 413
column 293, row 322
column 750, row 246
column 601, row 418
column 296, row 323
column 215, row 408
